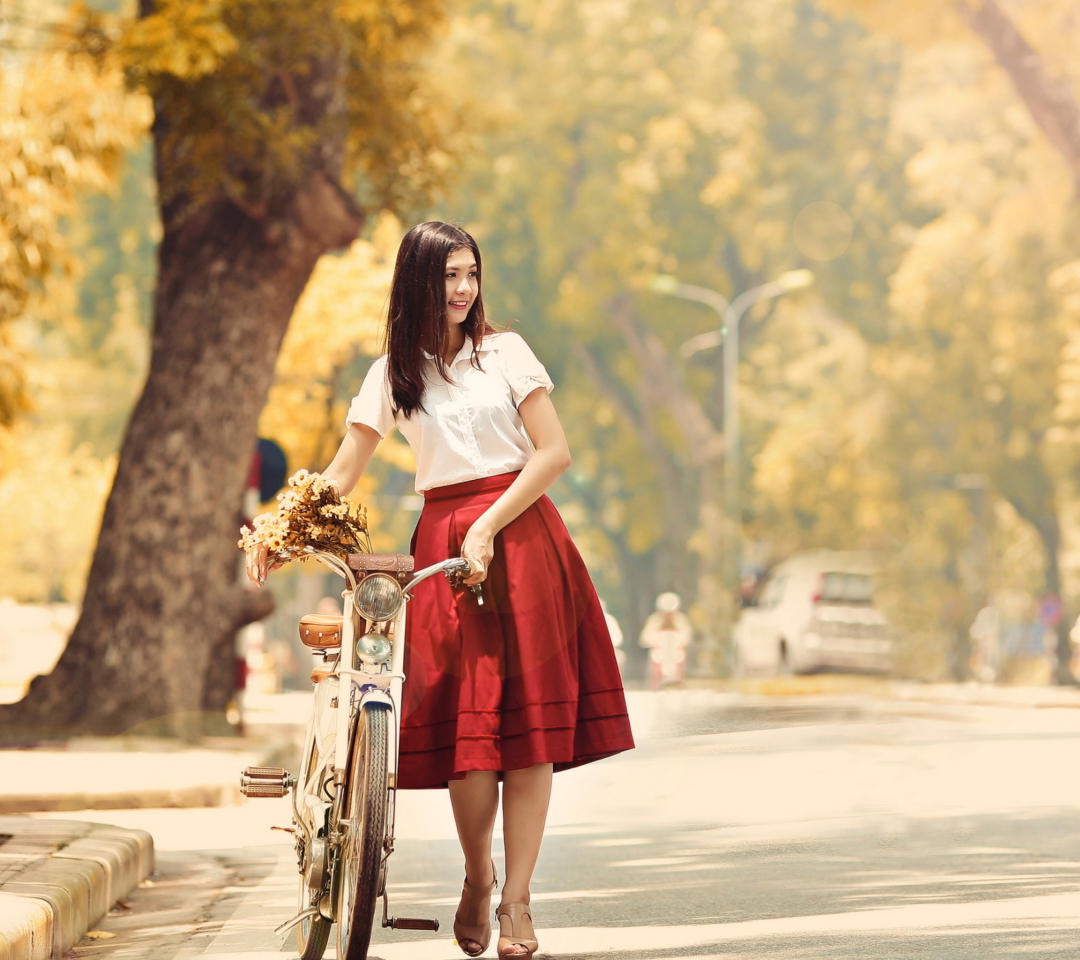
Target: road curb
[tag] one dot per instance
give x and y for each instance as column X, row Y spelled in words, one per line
column 887, row 688
column 26, row 928
column 59, row 877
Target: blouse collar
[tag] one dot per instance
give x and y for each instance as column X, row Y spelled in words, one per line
column 466, row 351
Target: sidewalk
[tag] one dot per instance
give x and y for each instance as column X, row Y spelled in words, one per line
column 126, row 772
column 78, row 779
column 60, row 877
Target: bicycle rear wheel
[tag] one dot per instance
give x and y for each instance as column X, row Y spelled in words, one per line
column 362, row 849
column 313, row 934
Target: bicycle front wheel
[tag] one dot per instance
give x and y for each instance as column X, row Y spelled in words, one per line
column 365, row 808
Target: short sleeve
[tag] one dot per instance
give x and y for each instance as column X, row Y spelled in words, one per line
column 373, row 405
column 524, row 373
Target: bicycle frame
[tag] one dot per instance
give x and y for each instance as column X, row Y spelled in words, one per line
column 352, row 687
column 383, row 684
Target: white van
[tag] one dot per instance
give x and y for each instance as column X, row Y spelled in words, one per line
column 814, row 610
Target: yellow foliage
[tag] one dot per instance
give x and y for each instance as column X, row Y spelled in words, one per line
column 52, row 493
column 57, row 464
column 816, row 460
column 913, row 21
column 185, row 38
column 339, row 317
column 237, row 80
column 66, row 120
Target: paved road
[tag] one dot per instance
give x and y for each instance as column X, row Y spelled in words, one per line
column 743, row 827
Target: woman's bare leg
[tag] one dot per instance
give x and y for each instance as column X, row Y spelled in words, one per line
column 475, row 801
column 526, row 794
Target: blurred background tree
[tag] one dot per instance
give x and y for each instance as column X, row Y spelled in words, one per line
column 686, row 141
column 73, row 175
column 67, row 123
column 989, row 113
column 726, row 145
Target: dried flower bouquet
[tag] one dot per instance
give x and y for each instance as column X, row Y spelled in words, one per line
column 310, row 515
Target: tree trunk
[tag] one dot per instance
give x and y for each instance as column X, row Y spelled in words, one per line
column 689, row 498
column 1050, row 100
column 696, row 480
column 958, row 613
column 162, row 595
column 646, row 576
column 1049, row 530
column 1030, row 490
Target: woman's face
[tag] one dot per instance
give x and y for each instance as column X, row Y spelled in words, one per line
column 462, row 285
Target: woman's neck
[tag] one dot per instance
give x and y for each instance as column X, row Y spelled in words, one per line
column 454, row 342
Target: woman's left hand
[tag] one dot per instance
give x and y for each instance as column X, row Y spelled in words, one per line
column 479, row 547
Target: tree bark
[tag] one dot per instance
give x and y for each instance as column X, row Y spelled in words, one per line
column 1050, row 100
column 152, row 649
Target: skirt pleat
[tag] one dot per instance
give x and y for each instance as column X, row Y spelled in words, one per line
column 530, row 677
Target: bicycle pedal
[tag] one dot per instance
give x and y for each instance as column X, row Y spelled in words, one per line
column 410, row 923
column 265, row 782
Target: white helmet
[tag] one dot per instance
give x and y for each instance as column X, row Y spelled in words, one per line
column 667, row 602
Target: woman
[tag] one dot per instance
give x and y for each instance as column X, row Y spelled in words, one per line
column 528, row 683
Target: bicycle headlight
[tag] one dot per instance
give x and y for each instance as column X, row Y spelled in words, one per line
column 373, row 648
column 378, row 597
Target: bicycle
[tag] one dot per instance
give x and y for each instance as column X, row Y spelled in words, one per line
column 343, row 795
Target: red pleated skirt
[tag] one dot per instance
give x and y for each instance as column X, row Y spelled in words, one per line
column 530, row 677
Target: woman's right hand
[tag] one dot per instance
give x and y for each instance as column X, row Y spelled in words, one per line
column 257, row 564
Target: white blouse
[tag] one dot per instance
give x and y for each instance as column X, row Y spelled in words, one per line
column 469, row 428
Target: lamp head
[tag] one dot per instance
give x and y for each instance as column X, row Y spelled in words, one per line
column 795, row 280
column 663, row 283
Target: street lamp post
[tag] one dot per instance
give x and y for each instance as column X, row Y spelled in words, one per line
column 730, row 313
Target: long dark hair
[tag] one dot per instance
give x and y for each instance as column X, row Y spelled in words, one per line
column 417, row 318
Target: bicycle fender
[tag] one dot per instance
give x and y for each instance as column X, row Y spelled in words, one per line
column 373, row 695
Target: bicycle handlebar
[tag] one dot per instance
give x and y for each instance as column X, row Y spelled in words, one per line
column 459, row 566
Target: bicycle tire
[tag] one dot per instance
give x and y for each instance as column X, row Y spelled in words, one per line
column 362, row 851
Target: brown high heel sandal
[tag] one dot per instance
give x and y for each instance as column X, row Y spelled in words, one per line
column 516, row 929
column 475, row 906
